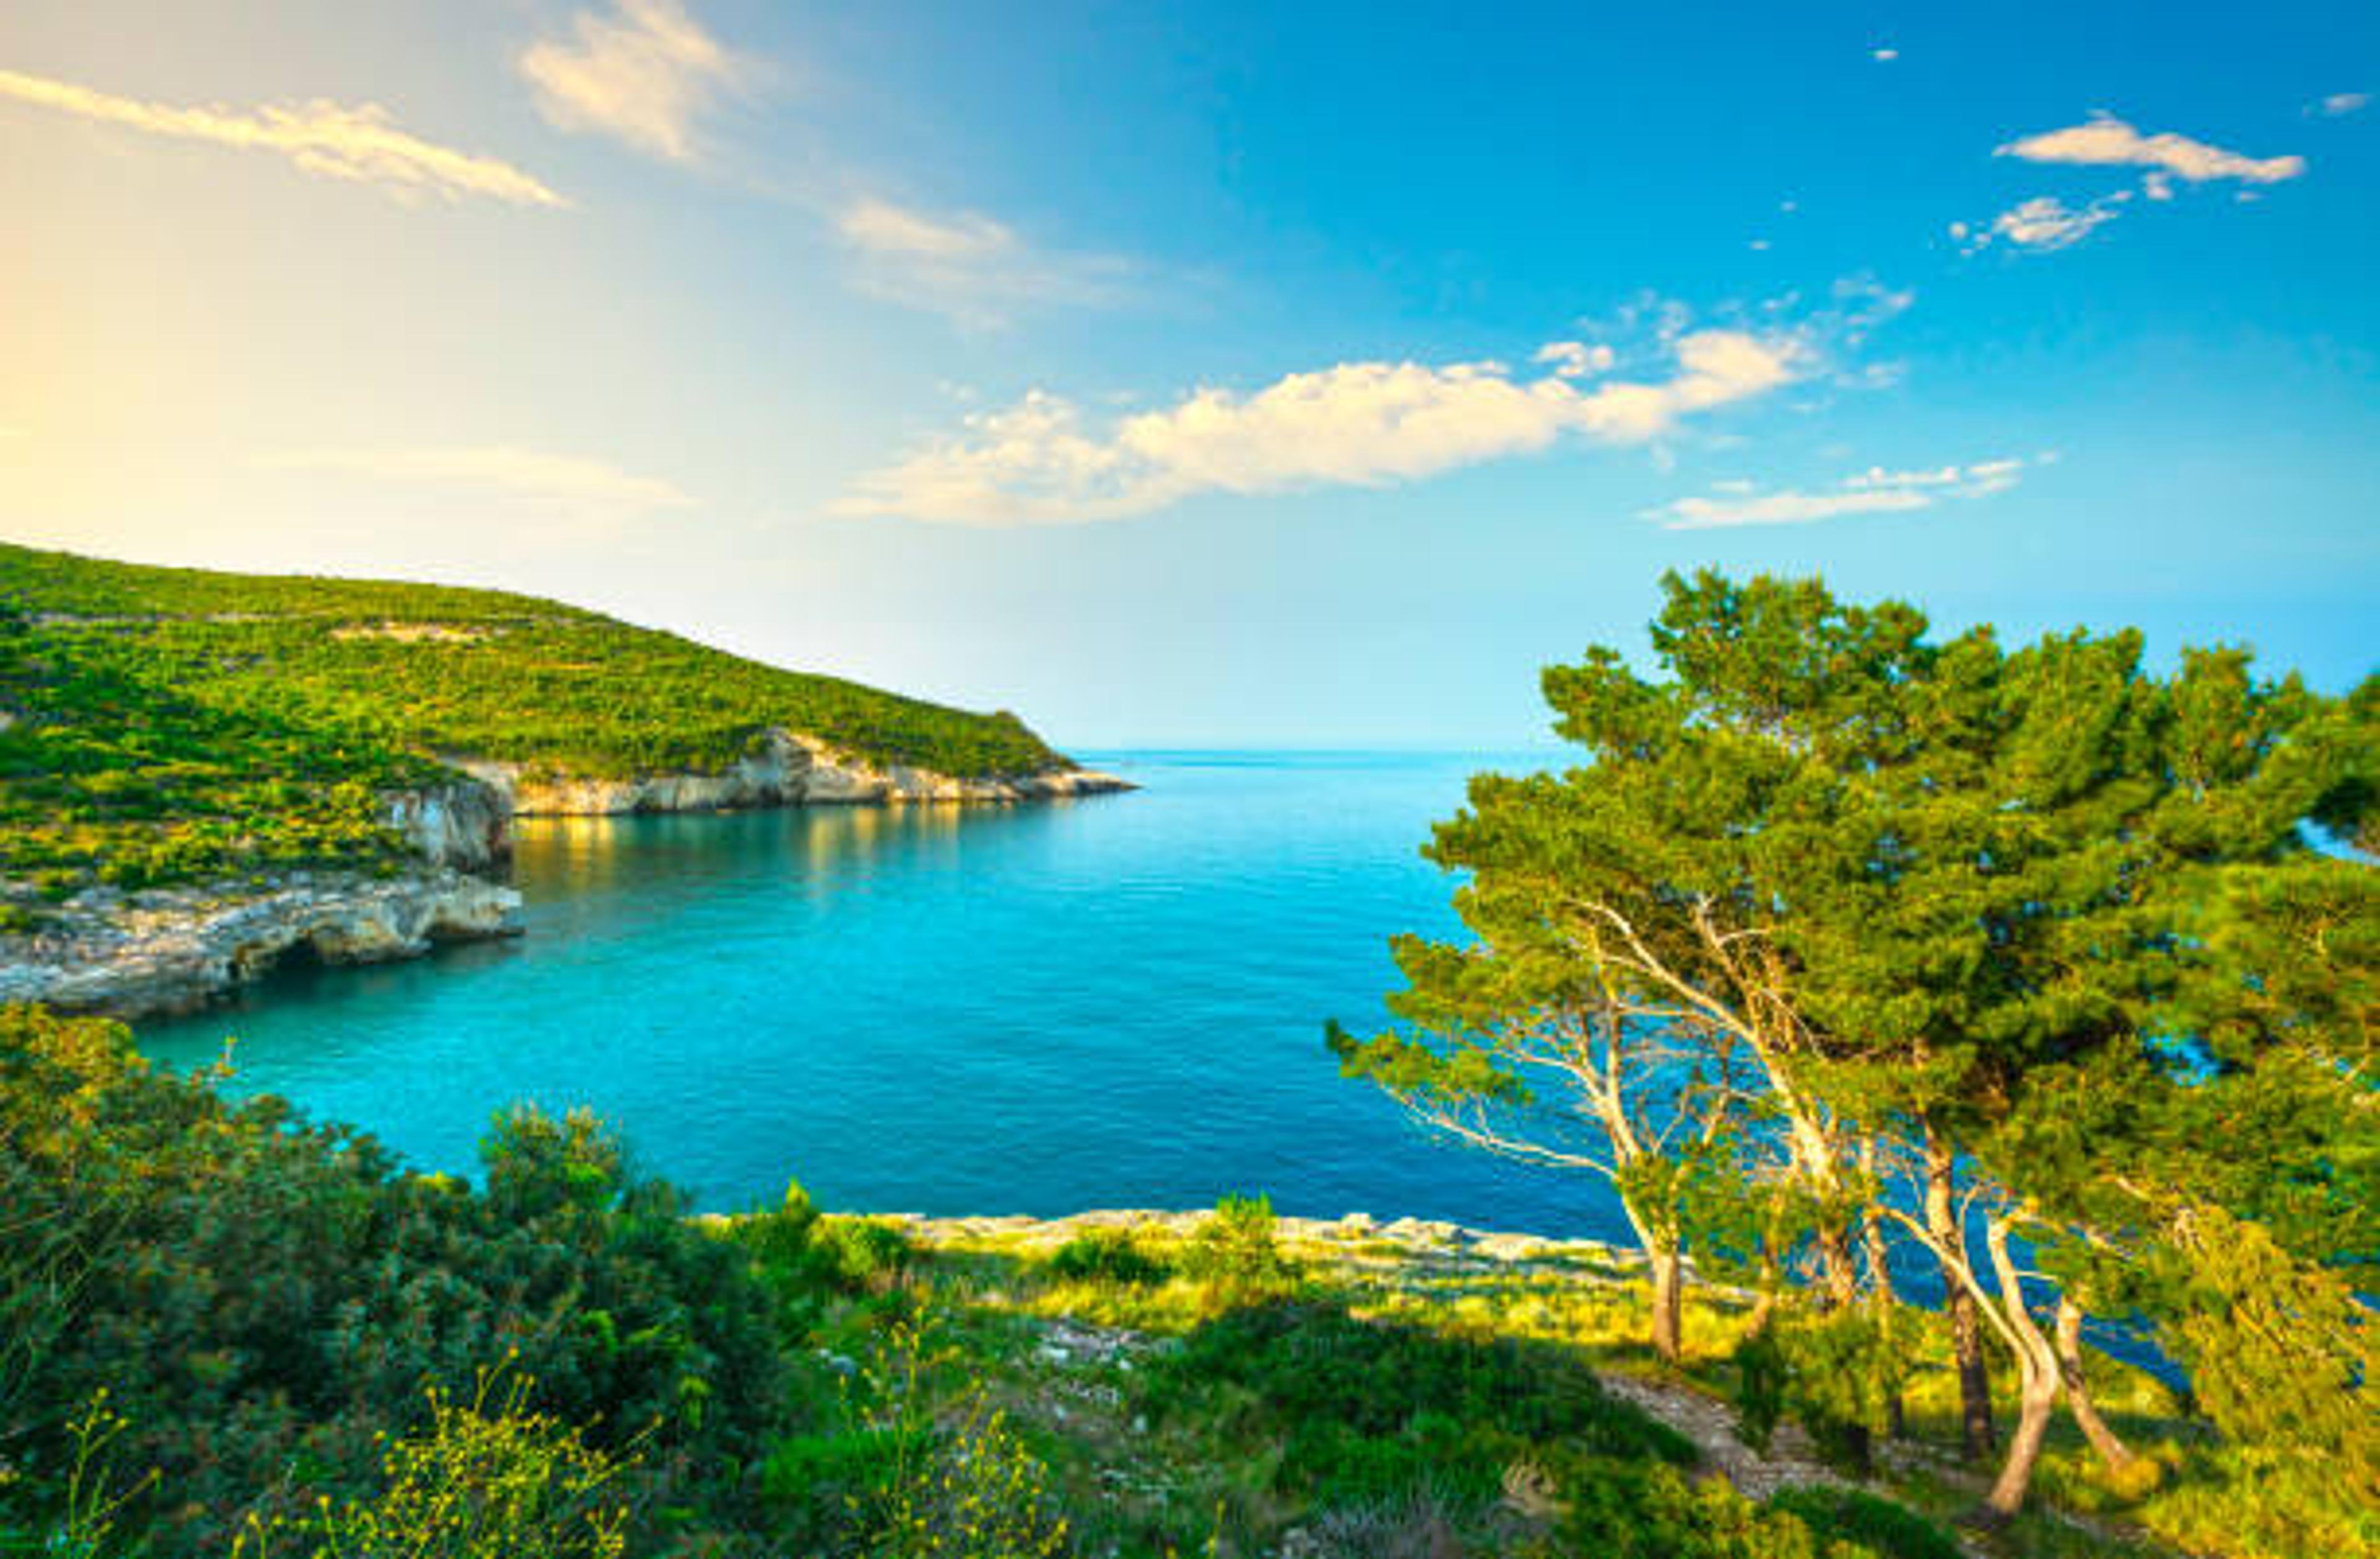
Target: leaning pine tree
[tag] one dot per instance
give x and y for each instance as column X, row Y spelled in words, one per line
column 1535, row 1046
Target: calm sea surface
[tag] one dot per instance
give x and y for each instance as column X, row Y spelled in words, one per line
column 1111, row 1002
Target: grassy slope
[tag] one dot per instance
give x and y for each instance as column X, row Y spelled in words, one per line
column 171, row 723
column 1134, row 1456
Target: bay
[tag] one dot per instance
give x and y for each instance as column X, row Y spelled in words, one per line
column 1116, row 1001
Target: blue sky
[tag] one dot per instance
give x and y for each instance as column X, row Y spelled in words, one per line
column 1217, row 373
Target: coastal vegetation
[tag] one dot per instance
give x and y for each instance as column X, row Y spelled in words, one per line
column 1978, row 1039
column 1846, row 952
column 161, row 725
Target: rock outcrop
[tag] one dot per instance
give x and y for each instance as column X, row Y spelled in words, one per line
column 467, row 823
column 789, row 769
column 173, row 950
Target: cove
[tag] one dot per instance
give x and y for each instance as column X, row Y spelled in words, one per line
column 1116, row 1001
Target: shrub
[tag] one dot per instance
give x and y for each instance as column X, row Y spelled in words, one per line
column 1637, row 1510
column 779, row 1237
column 861, row 1253
column 913, row 1469
column 266, row 1300
column 1107, row 1256
column 1371, row 1411
column 1856, row 1517
column 1761, row 1388
column 1835, row 1374
column 1235, row 1246
column 493, row 1478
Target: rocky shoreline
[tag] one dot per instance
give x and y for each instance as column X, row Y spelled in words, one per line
column 173, row 950
column 177, row 948
column 1357, row 1240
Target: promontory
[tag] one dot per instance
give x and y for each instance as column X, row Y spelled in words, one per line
column 200, row 772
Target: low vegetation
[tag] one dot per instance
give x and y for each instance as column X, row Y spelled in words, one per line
column 1853, row 962
column 170, row 725
column 233, row 1330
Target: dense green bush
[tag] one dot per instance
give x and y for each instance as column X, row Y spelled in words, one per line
column 1639, row 1510
column 265, row 1298
column 1854, row 1516
column 1836, row 1374
column 1371, row 1411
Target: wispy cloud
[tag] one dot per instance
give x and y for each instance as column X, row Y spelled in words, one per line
column 2338, row 105
column 1873, row 492
column 2042, row 224
column 1042, row 462
column 525, row 473
column 362, row 143
column 644, row 73
column 2045, row 224
column 2107, row 141
column 968, row 266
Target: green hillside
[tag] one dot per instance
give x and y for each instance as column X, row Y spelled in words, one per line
column 163, row 724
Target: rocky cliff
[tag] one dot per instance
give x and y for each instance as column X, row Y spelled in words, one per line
column 172, row 949
column 787, row 769
column 467, row 824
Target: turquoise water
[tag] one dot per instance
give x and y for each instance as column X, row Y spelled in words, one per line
column 1111, row 1002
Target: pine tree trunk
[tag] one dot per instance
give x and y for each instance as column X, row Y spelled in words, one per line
column 1669, row 1303
column 1666, row 1267
column 2038, row 1382
column 1840, row 1272
column 1975, row 1433
column 2112, row 1450
column 2038, row 1398
column 1881, row 1294
column 1813, row 1159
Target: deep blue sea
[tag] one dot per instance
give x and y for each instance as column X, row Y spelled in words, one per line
column 1117, row 1001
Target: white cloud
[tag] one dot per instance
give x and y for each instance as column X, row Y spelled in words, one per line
column 2107, row 141
column 977, row 271
column 2338, row 106
column 1575, row 359
column 644, row 74
column 362, row 144
column 2042, row 224
column 1883, row 56
column 1039, row 461
column 2045, row 224
column 1876, row 490
column 559, row 478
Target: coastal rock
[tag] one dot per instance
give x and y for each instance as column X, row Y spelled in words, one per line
column 467, row 823
column 787, row 769
column 166, row 950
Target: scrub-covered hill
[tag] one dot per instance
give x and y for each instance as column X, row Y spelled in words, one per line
column 188, row 732
column 162, row 723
